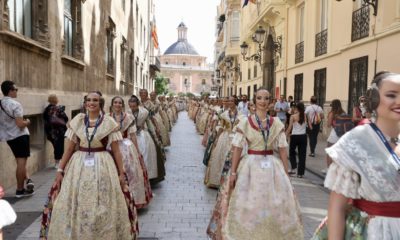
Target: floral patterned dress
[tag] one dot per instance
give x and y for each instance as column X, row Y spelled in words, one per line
column 263, row 205
column 134, row 166
column 90, row 203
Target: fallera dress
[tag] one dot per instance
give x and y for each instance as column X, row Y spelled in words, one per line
column 363, row 170
column 135, row 168
column 90, row 204
column 263, row 205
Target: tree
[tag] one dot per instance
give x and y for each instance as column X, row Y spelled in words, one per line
column 161, row 84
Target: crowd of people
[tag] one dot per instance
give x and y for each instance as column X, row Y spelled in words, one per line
column 246, row 160
column 110, row 161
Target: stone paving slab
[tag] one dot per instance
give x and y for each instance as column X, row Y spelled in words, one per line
column 182, row 205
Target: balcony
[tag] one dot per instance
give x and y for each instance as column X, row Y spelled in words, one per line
column 321, row 43
column 360, row 23
column 299, row 55
column 155, row 65
column 221, row 57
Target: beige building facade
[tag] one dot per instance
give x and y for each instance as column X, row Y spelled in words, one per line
column 70, row 47
column 330, row 49
column 185, row 69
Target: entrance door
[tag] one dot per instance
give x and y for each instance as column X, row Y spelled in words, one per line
column 358, row 80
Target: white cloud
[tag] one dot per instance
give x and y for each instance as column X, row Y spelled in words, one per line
column 198, row 16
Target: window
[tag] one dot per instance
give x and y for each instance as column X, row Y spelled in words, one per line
column 20, row 16
column 248, row 92
column 203, row 81
column 254, row 89
column 235, row 26
column 248, row 74
column 123, row 4
column 240, row 91
column 68, row 27
column 124, row 48
column 131, row 65
column 184, row 63
column 298, row 87
column 321, row 38
column 301, row 23
column 360, row 21
column 358, row 80
column 141, row 31
column 255, row 70
column 320, row 86
column 137, row 19
column 299, row 54
column 110, row 46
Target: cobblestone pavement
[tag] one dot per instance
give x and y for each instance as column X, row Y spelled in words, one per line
column 182, row 205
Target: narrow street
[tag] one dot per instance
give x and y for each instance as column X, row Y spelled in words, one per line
column 182, row 205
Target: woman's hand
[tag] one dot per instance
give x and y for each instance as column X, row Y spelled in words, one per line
column 123, row 182
column 232, row 181
column 58, row 181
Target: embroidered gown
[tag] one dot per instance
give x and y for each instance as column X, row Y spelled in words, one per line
column 263, row 205
column 145, row 142
column 222, row 147
column 90, row 204
column 135, row 168
column 365, row 171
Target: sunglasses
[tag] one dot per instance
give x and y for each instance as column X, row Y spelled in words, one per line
column 14, row 89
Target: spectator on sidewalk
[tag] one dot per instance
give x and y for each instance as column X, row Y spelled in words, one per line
column 13, row 129
column 243, row 106
column 55, row 126
column 298, row 139
column 281, row 109
column 336, row 111
column 315, row 114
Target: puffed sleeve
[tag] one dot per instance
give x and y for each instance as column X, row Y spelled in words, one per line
column 70, row 135
column 343, row 181
column 239, row 140
column 114, row 136
column 281, row 141
column 132, row 129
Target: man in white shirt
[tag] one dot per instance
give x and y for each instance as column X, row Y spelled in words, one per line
column 314, row 114
column 13, row 129
column 281, row 108
column 243, row 106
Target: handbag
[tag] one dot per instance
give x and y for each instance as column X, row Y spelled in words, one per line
column 7, row 216
column 355, row 226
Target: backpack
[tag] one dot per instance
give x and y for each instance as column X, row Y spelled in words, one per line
column 343, row 124
column 316, row 119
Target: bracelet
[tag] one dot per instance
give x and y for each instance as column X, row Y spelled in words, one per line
column 60, row 170
column 233, row 174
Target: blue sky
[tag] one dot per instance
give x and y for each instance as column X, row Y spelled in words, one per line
column 199, row 17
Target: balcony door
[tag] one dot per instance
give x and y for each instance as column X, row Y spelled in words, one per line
column 358, row 80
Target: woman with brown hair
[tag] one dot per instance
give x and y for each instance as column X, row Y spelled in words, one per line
column 89, row 198
column 365, row 171
column 262, row 204
column 336, row 111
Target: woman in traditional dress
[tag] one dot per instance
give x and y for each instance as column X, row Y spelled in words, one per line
column 366, row 168
column 229, row 119
column 146, row 142
column 135, row 169
column 263, row 205
column 87, row 198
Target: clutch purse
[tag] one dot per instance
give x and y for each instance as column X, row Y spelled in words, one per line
column 7, row 214
column 355, row 226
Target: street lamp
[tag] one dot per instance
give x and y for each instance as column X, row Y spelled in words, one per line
column 258, row 37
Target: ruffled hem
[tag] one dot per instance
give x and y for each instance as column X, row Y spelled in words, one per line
column 343, row 181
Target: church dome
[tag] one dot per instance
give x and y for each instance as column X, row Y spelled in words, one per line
column 182, row 46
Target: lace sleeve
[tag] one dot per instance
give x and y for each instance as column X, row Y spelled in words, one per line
column 239, row 140
column 343, row 181
column 114, row 136
column 70, row 135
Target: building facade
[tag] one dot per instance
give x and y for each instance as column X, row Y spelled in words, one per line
column 185, row 69
column 329, row 49
column 70, row 47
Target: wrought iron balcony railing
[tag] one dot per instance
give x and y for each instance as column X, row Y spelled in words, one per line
column 321, row 42
column 360, row 23
column 299, row 56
